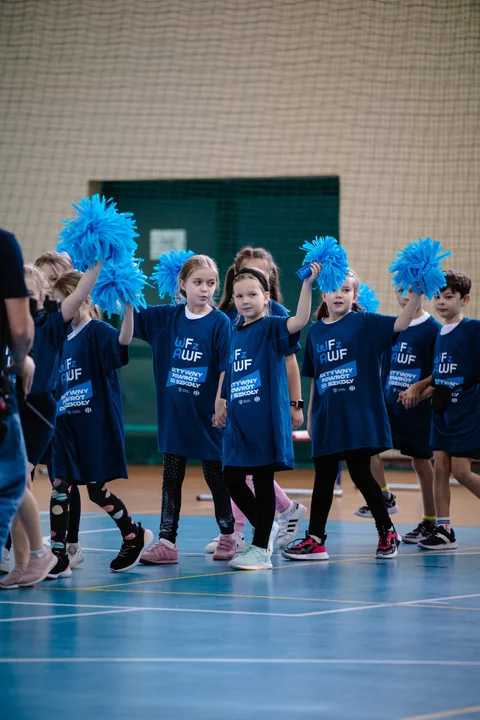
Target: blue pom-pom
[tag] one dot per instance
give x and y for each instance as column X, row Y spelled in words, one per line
column 166, row 271
column 418, row 266
column 120, row 284
column 332, row 256
column 98, row 232
column 368, row 298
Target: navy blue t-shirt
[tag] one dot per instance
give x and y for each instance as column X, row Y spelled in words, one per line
column 89, row 443
column 188, row 358
column 410, row 360
column 457, row 363
column 12, row 285
column 344, row 357
column 50, row 334
column 274, row 310
column 259, row 426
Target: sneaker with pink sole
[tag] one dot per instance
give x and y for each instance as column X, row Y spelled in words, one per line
column 226, row 547
column 37, row 569
column 160, row 554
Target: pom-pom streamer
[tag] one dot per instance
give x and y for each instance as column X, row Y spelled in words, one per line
column 368, row 298
column 166, row 271
column 333, row 259
column 120, row 284
column 418, row 266
column 98, row 232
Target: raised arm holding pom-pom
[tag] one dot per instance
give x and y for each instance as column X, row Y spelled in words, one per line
column 298, row 321
column 406, row 316
column 72, row 303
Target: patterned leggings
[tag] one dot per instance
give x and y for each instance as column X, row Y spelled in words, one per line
column 101, row 496
column 173, row 476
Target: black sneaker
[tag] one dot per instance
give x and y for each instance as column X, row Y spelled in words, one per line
column 390, row 504
column 62, row 569
column 421, row 532
column 132, row 550
column 440, row 539
column 388, row 543
column 306, row 549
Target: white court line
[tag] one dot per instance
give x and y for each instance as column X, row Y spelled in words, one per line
column 384, row 605
column 335, row 611
column 46, row 538
column 249, row 661
column 68, row 615
column 110, row 608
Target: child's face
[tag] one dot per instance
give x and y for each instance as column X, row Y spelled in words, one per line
column 251, row 300
column 33, row 290
column 340, row 302
column 200, row 286
column 449, row 304
column 403, row 299
column 51, row 273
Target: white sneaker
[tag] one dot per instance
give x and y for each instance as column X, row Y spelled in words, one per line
column 288, row 523
column 5, row 562
column 239, row 539
column 75, row 555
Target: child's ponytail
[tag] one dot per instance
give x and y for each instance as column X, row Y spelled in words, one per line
column 227, row 296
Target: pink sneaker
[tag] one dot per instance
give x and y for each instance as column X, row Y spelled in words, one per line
column 10, row 581
column 37, row 569
column 160, row 554
column 226, row 548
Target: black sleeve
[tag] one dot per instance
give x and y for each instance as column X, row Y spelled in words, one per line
column 12, row 281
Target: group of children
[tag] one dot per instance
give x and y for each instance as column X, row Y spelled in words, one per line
column 229, row 393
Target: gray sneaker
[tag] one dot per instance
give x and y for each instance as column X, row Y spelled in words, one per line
column 37, row 569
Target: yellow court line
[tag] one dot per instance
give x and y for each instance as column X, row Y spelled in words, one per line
column 250, row 597
column 290, row 565
column 446, row 714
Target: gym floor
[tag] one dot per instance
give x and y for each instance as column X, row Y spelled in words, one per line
column 349, row 638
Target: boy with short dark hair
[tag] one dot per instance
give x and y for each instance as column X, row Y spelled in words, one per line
column 456, row 403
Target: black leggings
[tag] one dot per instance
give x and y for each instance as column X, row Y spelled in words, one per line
column 259, row 508
column 173, row 475
column 326, row 470
column 100, row 495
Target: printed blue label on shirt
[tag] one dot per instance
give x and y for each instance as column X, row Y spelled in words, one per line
column 449, row 382
column 187, row 376
column 342, row 375
column 403, row 378
column 76, row 397
column 248, row 385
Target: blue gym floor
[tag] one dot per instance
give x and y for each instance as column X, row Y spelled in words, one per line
column 350, row 638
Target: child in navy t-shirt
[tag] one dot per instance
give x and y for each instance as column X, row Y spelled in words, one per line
column 89, row 443
column 290, row 513
column 347, row 413
column 455, row 436
column 258, row 433
column 190, row 344
column 408, row 362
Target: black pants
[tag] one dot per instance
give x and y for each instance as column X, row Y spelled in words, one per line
column 100, row 495
column 173, row 476
column 326, row 470
column 259, row 508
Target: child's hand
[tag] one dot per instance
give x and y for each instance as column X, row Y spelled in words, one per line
column 220, row 417
column 27, row 372
column 296, row 415
column 410, row 397
column 316, row 269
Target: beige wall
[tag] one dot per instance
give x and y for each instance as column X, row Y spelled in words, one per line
column 384, row 94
